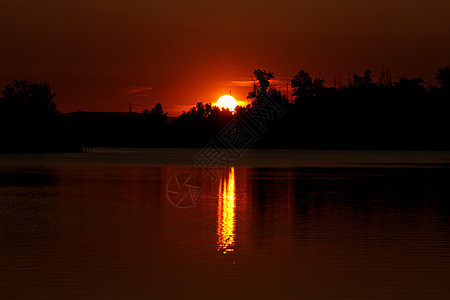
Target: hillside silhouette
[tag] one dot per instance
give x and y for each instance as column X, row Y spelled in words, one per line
column 363, row 114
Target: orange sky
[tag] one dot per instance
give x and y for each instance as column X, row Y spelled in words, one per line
column 100, row 55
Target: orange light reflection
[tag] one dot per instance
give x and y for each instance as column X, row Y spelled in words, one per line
column 226, row 213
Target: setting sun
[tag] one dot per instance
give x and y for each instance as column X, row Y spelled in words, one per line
column 228, row 102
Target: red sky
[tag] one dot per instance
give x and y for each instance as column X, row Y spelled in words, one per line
column 100, row 55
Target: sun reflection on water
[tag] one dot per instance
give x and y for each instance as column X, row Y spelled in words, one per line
column 226, row 213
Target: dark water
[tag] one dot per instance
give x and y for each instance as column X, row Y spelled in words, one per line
column 278, row 225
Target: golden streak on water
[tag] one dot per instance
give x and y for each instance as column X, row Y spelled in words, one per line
column 226, row 213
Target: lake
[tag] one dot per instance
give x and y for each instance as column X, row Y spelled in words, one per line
column 277, row 224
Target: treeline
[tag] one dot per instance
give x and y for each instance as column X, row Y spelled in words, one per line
column 364, row 114
column 28, row 119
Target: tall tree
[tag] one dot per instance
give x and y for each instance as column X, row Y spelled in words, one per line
column 302, row 85
column 262, row 85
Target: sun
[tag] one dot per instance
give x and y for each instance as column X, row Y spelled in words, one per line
column 228, row 102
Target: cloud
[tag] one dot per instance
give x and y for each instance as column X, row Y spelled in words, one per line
column 138, row 90
column 249, row 83
column 240, row 83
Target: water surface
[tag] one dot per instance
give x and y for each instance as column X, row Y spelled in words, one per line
column 279, row 224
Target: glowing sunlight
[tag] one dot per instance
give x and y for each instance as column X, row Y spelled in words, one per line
column 227, row 101
column 226, row 213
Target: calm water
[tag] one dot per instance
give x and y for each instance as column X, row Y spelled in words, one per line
column 277, row 225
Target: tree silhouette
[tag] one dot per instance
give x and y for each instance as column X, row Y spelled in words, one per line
column 156, row 114
column 364, row 81
column 25, row 100
column 198, row 112
column 262, row 85
column 28, row 111
column 410, row 84
column 318, row 86
column 302, row 85
column 443, row 77
column 388, row 114
column 263, row 88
